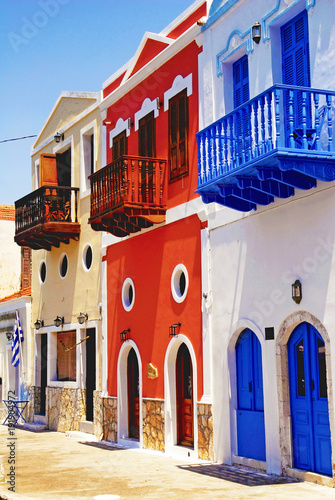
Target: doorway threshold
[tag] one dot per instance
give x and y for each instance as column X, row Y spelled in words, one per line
column 249, row 462
column 311, row 477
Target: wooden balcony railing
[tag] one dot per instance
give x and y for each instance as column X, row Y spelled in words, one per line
column 127, row 189
column 47, row 216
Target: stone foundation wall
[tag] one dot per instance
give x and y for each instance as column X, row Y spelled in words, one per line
column 37, row 400
column 205, row 432
column 153, row 424
column 65, row 408
column 34, row 402
column 98, row 415
column 109, row 422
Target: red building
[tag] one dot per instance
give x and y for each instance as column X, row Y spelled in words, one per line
column 144, row 198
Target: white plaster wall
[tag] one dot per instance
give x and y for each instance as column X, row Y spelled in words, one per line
column 264, row 58
column 254, row 261
column 10, row 260
column 254, row 258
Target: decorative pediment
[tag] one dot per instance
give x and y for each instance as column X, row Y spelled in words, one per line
column 68, row 106
column 150, row 46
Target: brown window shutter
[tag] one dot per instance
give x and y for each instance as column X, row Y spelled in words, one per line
column 48, row 170
column 120, row 145
column 178, row 135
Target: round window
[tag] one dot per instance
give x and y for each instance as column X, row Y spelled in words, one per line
column 128, row 294
column 87, row 257
column 63, row 265
column 179, row 283
column 43, row 271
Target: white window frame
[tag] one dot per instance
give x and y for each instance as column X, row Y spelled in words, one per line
column 85, row 163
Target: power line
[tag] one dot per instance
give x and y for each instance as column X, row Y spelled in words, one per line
column 19, row 138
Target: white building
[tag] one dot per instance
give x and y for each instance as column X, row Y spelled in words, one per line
column 266, row 173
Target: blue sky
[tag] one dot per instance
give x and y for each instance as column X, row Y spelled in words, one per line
column 47, row 46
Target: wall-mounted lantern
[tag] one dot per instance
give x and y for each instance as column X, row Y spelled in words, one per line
column 174, row 329
column 297, row 292
column 82, row 318
column 59, row 321
column 256, row 32
column 9, row 336
column 38, row 323
column 124, row 335
column 59, row 137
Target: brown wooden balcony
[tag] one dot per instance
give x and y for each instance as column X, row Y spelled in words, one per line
column 47, row 217
column 128, row 194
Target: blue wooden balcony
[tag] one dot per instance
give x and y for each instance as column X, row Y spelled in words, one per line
column 265, row 149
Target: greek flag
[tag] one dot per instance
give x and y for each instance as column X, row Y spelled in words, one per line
column 17, row 339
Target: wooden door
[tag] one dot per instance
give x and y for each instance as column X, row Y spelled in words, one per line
column 184, row 382
column 250, row 405
column 146, row 145
column 44, row 371
column 90, row 373
column 133, row 395
column 309, row 400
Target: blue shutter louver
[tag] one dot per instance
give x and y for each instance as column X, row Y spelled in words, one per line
column 296, row 69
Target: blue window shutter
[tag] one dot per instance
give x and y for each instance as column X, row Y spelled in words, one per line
column 241, row 81
column 295, row 63
column 295, row 51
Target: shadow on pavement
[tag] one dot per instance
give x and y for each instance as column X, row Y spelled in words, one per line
column 102, row 445
column 237, row 475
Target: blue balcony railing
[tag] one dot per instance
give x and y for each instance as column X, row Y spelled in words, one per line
column 283, row 120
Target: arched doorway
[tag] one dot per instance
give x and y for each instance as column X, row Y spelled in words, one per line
column 250, row 401
column 133, row 395
column 184, row 392
column 309, row 400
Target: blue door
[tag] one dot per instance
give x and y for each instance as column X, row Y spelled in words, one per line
column 309, row 401
column 250, row 404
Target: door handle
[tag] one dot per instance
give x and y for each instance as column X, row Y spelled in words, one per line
column 312, row 385
column 250, row 386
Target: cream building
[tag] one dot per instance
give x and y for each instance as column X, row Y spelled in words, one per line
column 66, row 262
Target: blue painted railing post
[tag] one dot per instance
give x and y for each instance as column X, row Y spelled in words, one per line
column 249, row 125
column 263, row 150
column 291, row 118
column 232, row 143
column 330, row 127
column 255, row 106
column 225, row 132
column 220, row 147
column 269, row 104
column 277, row 116
column 208, row 150
column 244, row 133
column 200, row 156
column 304, row 120
column 214, row 157
column 317, row 122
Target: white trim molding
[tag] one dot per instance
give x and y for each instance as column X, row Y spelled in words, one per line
column 120, row 126
column 179, row 84
column 146, row 108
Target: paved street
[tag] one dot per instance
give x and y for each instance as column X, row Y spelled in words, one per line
column 51, row 465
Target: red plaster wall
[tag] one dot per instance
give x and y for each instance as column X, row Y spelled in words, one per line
column 184, row 63
column 149, row 260
column 150, row 50
column 113, row 85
